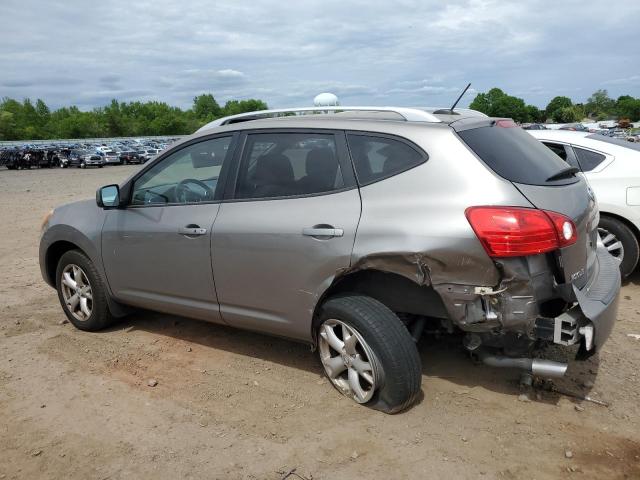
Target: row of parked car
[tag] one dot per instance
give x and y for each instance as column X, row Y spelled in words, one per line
column 628, row 134
column 79, row 155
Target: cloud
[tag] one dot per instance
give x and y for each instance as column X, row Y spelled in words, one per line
column 408, row 52
column 632, row 80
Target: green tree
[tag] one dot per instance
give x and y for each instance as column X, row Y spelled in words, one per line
column 496, row 103
column 234, row 107
column 628, row 107
column 566, row 115
column 24, row 120
column 206, row 108
column 534, row 114
column 599, row 104
column 555, row 105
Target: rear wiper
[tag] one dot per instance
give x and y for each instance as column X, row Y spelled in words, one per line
column 564, row 173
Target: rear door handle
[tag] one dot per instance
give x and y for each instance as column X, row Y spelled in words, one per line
column 323, row 232
column 192, row 230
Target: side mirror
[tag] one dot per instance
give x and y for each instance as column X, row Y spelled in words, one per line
column 108, row 196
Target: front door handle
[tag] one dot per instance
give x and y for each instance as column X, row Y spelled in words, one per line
column 323, row 232
column 192, row 230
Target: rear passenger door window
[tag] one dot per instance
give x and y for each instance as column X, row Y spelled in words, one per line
column 285, row 164
column 588, row 159
column 378, row 157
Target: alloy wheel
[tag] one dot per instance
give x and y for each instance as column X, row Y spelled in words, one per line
column 76, row 292
column 611, row 243
column 348, row 361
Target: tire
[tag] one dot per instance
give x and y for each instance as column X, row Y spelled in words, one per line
column 99, row 315
column 382, row 343
column 100, row 166
column 82, row 165
column 630, row 249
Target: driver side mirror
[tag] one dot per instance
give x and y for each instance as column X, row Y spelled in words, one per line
column 108, row 196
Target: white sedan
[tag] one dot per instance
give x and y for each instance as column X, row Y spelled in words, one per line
column 612, row 167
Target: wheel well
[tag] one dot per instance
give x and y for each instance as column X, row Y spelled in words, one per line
column 629, row 224
column 55, row 251
column 398, row 293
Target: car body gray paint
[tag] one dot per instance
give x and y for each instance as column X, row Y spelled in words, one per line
column 412, row 224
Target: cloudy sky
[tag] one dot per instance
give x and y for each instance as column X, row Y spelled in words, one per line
column 410, row 52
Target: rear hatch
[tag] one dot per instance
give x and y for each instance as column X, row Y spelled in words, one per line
column 545, row 180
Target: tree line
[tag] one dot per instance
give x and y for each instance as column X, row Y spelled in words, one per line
column 599, row 106
column 33, row 121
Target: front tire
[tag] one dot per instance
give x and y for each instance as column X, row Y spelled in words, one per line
column 623, row 245
column 368, row 354
column 82, row 293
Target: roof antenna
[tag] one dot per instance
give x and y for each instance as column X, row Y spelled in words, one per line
column 450, row 110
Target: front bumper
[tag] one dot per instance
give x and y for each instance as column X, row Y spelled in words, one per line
column 591, row 319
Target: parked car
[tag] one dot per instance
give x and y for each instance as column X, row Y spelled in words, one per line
column 84, row 159
column 574, row 127
column 111, row 158
column 130, row 156
column 534, row 126
column 147, row 154
column 350, row 232
column 612, row 167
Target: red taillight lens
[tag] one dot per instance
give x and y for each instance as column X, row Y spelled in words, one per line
column 516, row 231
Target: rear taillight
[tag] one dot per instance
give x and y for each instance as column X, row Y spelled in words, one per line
column 516, row 231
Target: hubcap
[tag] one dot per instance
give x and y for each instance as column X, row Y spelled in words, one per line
column 611, row 243
column 76, row 292
column 348, row 361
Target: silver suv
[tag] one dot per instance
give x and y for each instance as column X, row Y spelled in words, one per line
column 352, row 231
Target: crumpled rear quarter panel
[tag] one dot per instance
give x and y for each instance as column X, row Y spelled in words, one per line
column 414, row 223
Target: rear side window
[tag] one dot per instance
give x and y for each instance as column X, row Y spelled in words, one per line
column 514, row 154
column 289, row 164
column 588, row 160
column 563, row 152
column 375, row 158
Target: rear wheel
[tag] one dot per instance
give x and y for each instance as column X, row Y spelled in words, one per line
column 621, row 242
column 368, row 354
column 81, row 292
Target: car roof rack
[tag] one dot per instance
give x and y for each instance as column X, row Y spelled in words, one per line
column 408, row 114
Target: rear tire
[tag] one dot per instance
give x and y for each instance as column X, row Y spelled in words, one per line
column 383, row 349
column 82, row 293
column 630, row 249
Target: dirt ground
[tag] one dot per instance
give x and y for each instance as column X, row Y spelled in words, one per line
column 232, row 404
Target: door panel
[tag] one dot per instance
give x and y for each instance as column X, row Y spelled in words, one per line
column 157, row 252
column 152, row 260
column 269, row 273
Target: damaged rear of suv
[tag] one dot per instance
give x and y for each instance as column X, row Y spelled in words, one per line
column 351, row 231
column 557, row 283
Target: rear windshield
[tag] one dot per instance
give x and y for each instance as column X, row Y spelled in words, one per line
column 515, row 155
column 615, row 141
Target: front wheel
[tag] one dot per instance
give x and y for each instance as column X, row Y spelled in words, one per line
column 621, row 242
column 368, row 354
column 81, row 292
